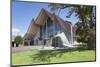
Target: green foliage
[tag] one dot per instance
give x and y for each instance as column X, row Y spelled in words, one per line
column 86, row 25
column 18, row 39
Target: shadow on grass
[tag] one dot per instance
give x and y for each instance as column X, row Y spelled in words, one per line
column 45, row 55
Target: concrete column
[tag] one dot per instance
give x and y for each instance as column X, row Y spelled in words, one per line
column 46, row 34
column 71, row 35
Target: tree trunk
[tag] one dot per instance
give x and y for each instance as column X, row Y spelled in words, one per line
column 91, row 44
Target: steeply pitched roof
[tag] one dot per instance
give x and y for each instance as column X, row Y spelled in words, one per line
column 41, row 20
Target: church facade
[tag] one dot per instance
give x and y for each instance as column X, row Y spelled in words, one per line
column 46, row 26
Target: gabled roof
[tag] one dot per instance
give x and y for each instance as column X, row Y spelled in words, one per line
column 41, row 19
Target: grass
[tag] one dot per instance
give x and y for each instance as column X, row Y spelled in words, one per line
column 52, row 56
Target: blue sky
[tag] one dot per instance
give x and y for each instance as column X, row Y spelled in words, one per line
column 23, row 12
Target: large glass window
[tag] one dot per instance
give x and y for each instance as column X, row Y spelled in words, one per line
column 49, row 29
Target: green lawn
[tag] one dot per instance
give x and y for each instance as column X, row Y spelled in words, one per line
column 52, row 56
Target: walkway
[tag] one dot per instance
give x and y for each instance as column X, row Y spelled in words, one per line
column 27, row 48
column 41, row 47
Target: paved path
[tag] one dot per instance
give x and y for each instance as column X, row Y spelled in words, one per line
column 41, row 47
column 24, row 48
column 27, row 48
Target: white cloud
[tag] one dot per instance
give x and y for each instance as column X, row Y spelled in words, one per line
column 22, row 34
column 15, row 31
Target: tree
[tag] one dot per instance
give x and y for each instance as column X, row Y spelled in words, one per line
column 18, row 39
column 85, row 26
